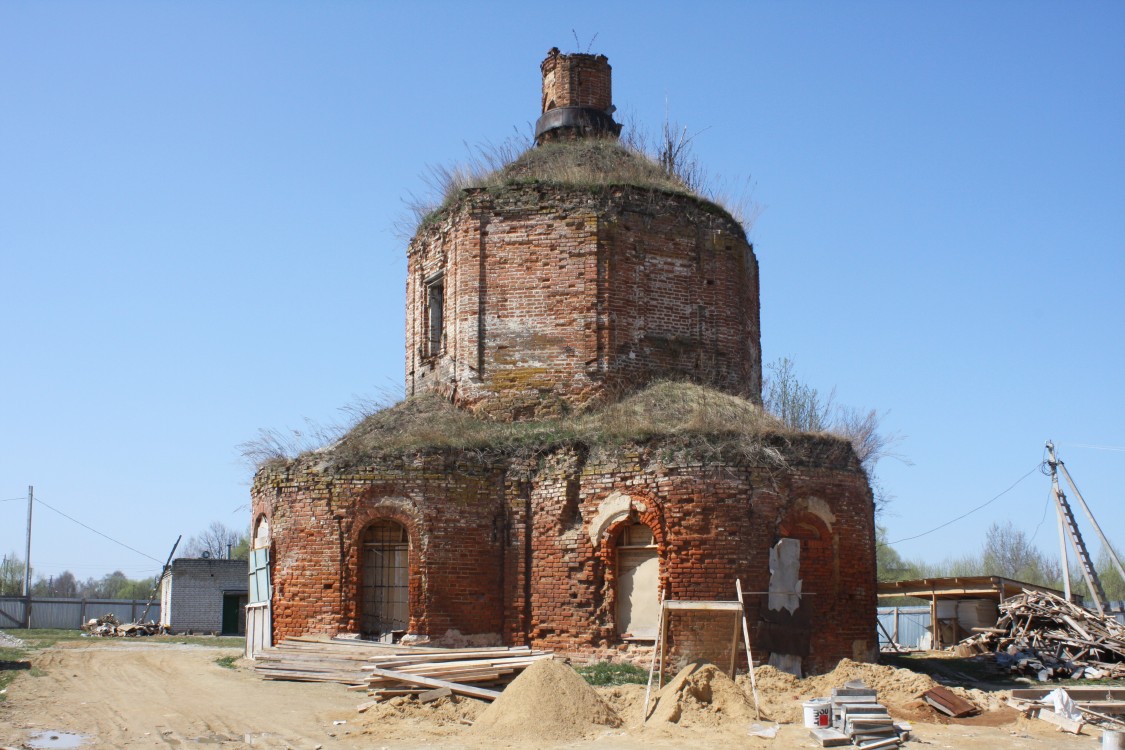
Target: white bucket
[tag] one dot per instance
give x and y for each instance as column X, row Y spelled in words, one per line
column 1112, row 740
column 818, row 713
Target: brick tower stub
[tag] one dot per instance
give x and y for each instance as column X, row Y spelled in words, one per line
column 539, row 298
column 577, row 97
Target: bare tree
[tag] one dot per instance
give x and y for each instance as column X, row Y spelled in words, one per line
column 798, row 406
column 1010, row 553
column 801, row 407
column 215, row 540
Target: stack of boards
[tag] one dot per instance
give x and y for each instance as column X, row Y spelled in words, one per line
column 388, row 670
column 859, row 719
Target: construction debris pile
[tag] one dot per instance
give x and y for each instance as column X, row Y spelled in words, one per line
column 108, row 626
column 1044, row 636
column 388, row 670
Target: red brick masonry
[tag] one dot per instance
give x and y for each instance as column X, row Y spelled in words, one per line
column 504, row 549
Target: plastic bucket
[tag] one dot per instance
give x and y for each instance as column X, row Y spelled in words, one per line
column 818, row 713
column 1112, row 740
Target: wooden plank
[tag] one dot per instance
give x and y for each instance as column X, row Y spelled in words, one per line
column 749, row 654
column 679, row 604
column 1064, row 724
column 432, row 695
column 413, row 679
column 948, row 702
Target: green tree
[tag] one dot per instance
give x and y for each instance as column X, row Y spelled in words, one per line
column 11, row 576
column 1112, row 584
column 241, row 551
column 889, row 564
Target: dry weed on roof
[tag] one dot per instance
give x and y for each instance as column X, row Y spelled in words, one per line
column 681, row 415
column 586, row 164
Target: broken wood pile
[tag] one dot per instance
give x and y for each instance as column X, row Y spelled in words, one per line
column 389, row 670
column 109, row 626
column 1045, row 636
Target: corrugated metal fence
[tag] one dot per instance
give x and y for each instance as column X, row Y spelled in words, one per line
column 909, row 626
column 71, row 613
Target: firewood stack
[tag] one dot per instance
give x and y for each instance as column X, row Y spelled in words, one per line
column 1045, row 636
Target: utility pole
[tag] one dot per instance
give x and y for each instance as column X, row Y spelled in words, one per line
column 27, row 562
column 1068, row 528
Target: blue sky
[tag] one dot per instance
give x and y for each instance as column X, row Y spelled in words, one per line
column 198, row 205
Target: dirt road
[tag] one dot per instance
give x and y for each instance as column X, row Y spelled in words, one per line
column 138, row 695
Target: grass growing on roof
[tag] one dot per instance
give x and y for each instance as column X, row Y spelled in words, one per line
column 678, row 415
column 585, row 164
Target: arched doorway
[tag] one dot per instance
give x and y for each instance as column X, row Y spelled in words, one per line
column 638, row 582
column 384, row 581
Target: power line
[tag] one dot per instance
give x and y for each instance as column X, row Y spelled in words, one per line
column 967, row 513
column 90, row 528
column 1096, row 447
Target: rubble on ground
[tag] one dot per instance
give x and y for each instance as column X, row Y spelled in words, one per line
column 109, row 626
column 10, row 641
column 1044, row 636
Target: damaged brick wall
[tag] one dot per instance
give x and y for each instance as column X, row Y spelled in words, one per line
column 508, row 552
column 555, row 297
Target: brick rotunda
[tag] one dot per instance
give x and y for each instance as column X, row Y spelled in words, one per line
column 582, row 433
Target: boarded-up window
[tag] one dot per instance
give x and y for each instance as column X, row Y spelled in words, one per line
column 638, row 582
column 384, row 588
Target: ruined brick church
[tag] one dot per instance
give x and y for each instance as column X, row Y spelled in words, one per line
column 582, row 434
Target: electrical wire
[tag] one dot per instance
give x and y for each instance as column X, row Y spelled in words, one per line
column 90, row 528
column 1046, row 504
column 1096, row 447
column 967, row 513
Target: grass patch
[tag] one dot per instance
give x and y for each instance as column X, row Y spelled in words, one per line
column 226, row 662
column 12, row 662
column 606, row 673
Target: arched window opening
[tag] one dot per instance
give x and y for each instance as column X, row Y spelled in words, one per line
column 638, row 583
column 384, row 582
column 262, row 534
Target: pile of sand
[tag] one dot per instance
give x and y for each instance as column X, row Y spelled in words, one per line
column 781, row 694
column 451, row 710
column 701, row 695
column 627, row 701
column 548, row 701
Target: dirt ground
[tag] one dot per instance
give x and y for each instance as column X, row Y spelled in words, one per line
column 138, row 694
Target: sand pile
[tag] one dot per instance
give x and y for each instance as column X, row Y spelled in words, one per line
column 782, row 694
column 627, row 701
column 548, row 701
column 702, row 695
column 442, row 712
